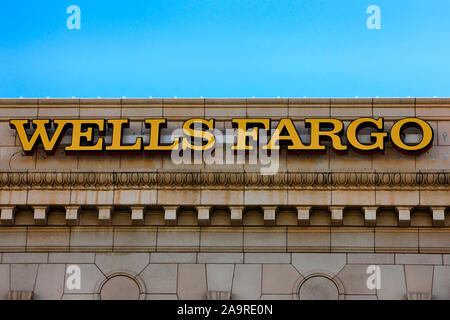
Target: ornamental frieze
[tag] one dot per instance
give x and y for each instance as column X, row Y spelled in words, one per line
column 230, row 179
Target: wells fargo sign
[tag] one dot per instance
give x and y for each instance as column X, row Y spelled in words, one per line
column 49, row 133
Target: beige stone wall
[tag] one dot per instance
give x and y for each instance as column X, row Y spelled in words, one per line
column 181, row 231
column 249, row 276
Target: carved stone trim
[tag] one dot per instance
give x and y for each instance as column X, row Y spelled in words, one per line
column 204, row 179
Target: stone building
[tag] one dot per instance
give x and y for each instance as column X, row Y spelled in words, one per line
column 138, row 226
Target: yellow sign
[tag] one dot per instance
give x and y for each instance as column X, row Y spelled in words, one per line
column 285, row 133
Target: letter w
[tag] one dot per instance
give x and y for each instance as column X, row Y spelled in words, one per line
column 40, row 133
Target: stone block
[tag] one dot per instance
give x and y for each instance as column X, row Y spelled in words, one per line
column 265, row 197
column 370, row 216
column 265, row 240
column 443, row 133
column 397, row 198
column 247, row 282
column 137, row 215
column 301, row 108
column 181, row 240
column 418, row 259
column 192, row 282
column 353, row 198
column 141, row 108
column 279, row 278
column 4, row 281
column 48, row 239
column 396, row 240
column 370, row 258
column 226, row 109
column 13, row 239
column 8, row 135
column 133, row 239
column 130, row 263
column 303, row 214
column 18, row 109
column 29, row 257
column 393, row 284
column 100, row 108
column 404, row 216
column 135, row 197
column 222, row 197
column 16, row 197
column 269, row 215
column 419, row 279
column 50, row 282
column 220, row 257
column 337, row 216
column 441, row 283
column 354, row 278
column 23, row 277
column 438, row 216
column 173, row 257
column 327, row 263
column 350, row 161
column 267, row 258
column 184, row 197
column 160, row 278
column 219, row 277
column 7, row 215
column 13, row 158
column 221, row 239
column 308, row 240
column 437, row 158
column 72, row 215
column 40, row 214
column 104, row 214
column 434, row 198
column 171, row 215
column 99, row 163
column 352, row 240
column 204, row 215
column 41, row 198
column 267, row 108
column 91, row 197
column 236, row 216
column 434, row 240
column 71, row 258
column 91, row 239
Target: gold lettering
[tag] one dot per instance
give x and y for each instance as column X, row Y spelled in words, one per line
column 333, row 134
column 427, row 135
column 116, row 145
column 155, row 126
column 242, row 125
column 352, row 132
column 40, row 133
column 291, row 136
column 195, row 133
column 78, row 133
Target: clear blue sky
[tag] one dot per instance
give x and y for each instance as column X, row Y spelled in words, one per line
column 225, row 48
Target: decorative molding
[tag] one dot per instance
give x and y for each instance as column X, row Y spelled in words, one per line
column 82, row 180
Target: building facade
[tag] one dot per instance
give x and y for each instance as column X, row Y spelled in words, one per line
column 138, row 225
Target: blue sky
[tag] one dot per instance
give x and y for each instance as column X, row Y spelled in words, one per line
column 225, row 48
